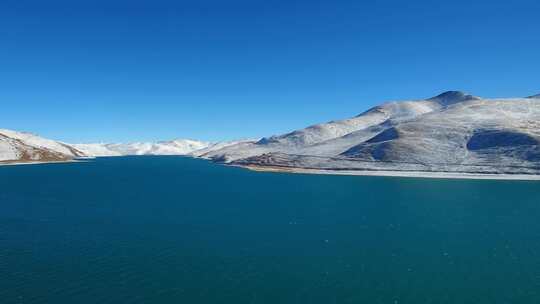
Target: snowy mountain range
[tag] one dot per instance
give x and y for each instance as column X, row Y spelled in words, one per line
column 173, row 147
column 451, row 132
column 22, row 147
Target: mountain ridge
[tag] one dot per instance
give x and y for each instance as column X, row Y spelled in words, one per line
column 452, row 131
column 26, row 147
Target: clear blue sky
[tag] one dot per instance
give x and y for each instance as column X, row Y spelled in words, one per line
column 212, row 70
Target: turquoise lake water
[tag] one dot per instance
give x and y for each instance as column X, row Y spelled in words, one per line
column 181, row 230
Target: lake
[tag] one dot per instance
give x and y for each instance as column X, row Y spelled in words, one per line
column 166, row 229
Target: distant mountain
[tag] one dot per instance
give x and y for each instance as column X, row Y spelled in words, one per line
column 22, row 147
column 26, row 147
column 173, row 147
column 453, row 132
column 202, row 153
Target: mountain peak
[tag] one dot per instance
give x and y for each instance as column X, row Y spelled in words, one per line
column 451, row 97
column 537, row 96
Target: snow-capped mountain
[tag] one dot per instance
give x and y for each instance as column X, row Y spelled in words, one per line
column 453, row 131
column 27, row 147
column 174, row 147
column 21, row 147
column 202, row 153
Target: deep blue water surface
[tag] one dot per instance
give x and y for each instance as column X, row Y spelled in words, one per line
column 180, row 230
